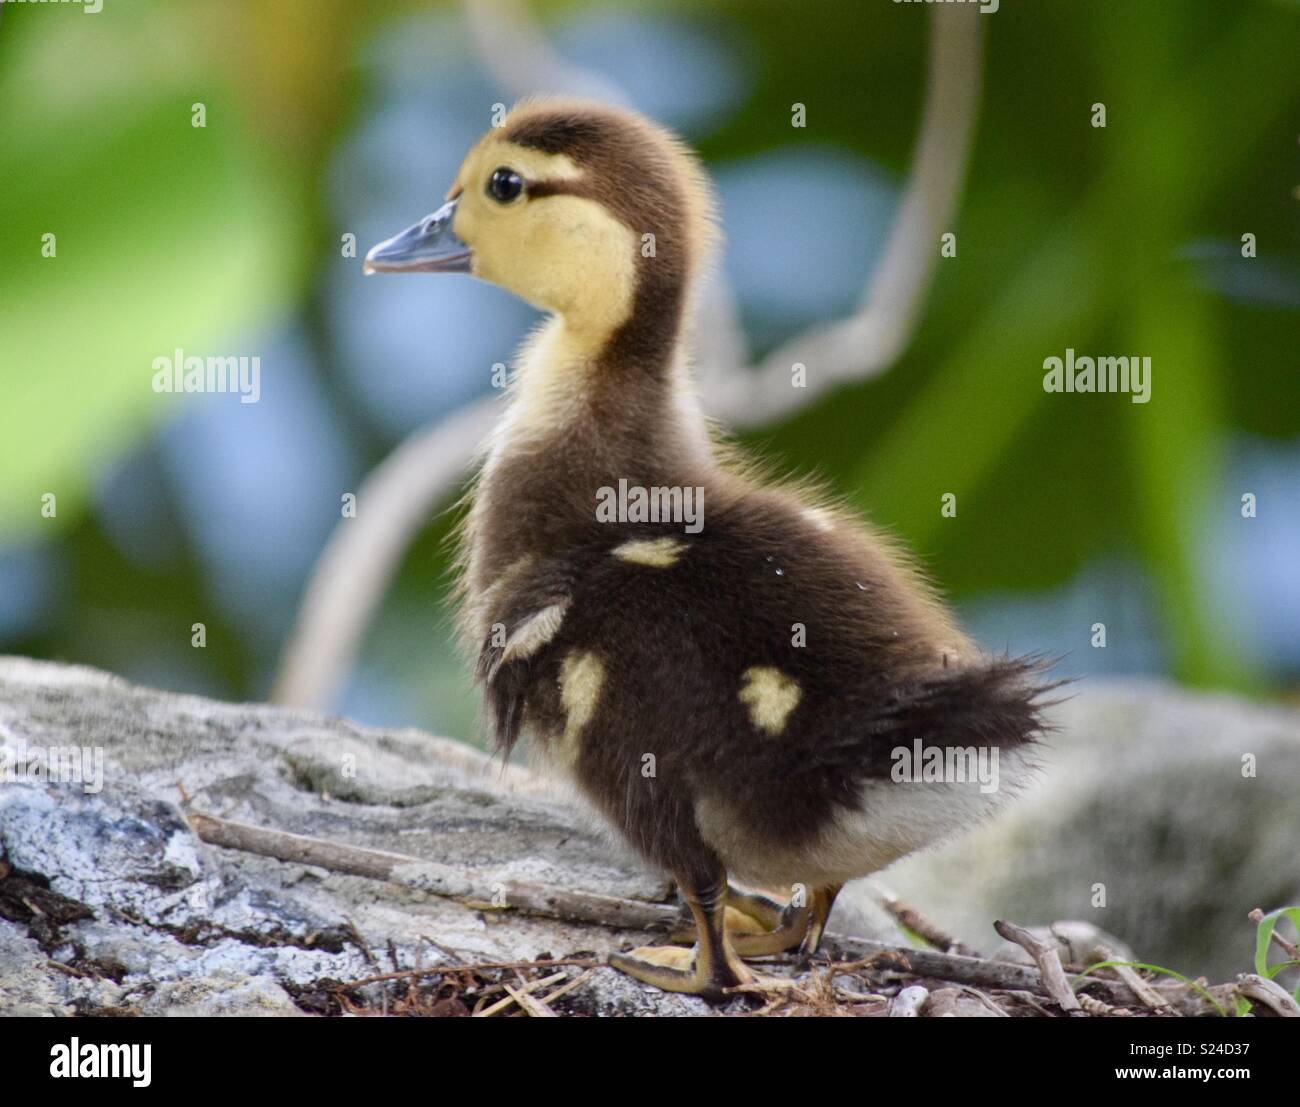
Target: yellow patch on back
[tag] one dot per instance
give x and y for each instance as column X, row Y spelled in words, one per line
column 770, row 696
column 657, row 553
column 582, row 676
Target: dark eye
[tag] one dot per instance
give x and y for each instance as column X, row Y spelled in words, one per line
column 505, row 185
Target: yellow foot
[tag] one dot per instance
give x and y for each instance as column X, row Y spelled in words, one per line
column 759, row 926
column 736, row 921
column 677, row 969
column 786, row 935
column 746, row 913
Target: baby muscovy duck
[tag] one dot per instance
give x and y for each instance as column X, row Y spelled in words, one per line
column 731, row 670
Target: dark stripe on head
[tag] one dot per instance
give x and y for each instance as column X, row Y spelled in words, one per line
column 628, row 168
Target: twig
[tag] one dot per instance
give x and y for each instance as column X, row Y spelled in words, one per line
column 463, row 969
column 531, row 1004
column 473, row 889
column 871, row 340
column 1101, row 950
column 979, row 972
column 1270, row 993
column 519, row 995
column 451, row 955
column 985, row 1001
column 359, row 941
column 1048, row 961
column 565, row 989
column 1031, row 1000
column 520, row 59
column 908, row 1003
column 397, row 499
column 912, row 919
column 1098, row 1008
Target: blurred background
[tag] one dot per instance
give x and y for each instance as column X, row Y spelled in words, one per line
column 331, row 118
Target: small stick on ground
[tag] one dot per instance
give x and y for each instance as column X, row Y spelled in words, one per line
column 565, row 989
column 1270, row 993
column 908, row 1003
column 1100, row 1009
column 357, row 940
column 918, row 924
column 1049, row 964
column 514, row 994
column 531, row 1005
column 481, row 891
column 461, row 969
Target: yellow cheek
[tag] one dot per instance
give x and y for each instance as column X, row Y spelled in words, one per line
column 563, row 254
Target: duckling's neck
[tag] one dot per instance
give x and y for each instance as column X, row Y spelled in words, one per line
column 584, row 415
column 598, row 392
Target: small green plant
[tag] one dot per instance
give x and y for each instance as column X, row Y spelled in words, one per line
column 1198, row 988
column 1266, row 926
column 1264, row 935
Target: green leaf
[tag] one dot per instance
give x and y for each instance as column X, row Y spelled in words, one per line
column 1263, row 936
column 1198, row 988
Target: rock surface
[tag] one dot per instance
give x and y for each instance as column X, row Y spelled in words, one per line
column 188, row 928
column 1160, row 816
column 110, row 904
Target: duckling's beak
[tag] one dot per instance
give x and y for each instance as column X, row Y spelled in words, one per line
column 430, row 246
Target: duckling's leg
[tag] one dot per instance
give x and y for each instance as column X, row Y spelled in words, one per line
column 823, row 899
column 747, row 913
column 706, row 970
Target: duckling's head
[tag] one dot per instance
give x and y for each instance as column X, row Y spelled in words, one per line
column 588, row 211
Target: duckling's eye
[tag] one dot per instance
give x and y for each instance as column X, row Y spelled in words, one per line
column 505, row 185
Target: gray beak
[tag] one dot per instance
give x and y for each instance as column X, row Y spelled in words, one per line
column 430, row 246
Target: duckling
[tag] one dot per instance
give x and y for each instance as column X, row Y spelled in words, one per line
column 735, row 696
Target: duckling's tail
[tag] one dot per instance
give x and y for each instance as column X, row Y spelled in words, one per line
column 992, row 703
column 997, row 702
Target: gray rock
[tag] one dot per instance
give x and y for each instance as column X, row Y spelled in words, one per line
column 193, row 929
column 1143, row 793
column 1141, row 823
column 27, row 985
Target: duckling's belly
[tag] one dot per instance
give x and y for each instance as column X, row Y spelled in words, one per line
column 889, row 820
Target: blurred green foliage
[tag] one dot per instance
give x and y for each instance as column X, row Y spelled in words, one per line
column 167, row 236
column 1069, row 236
